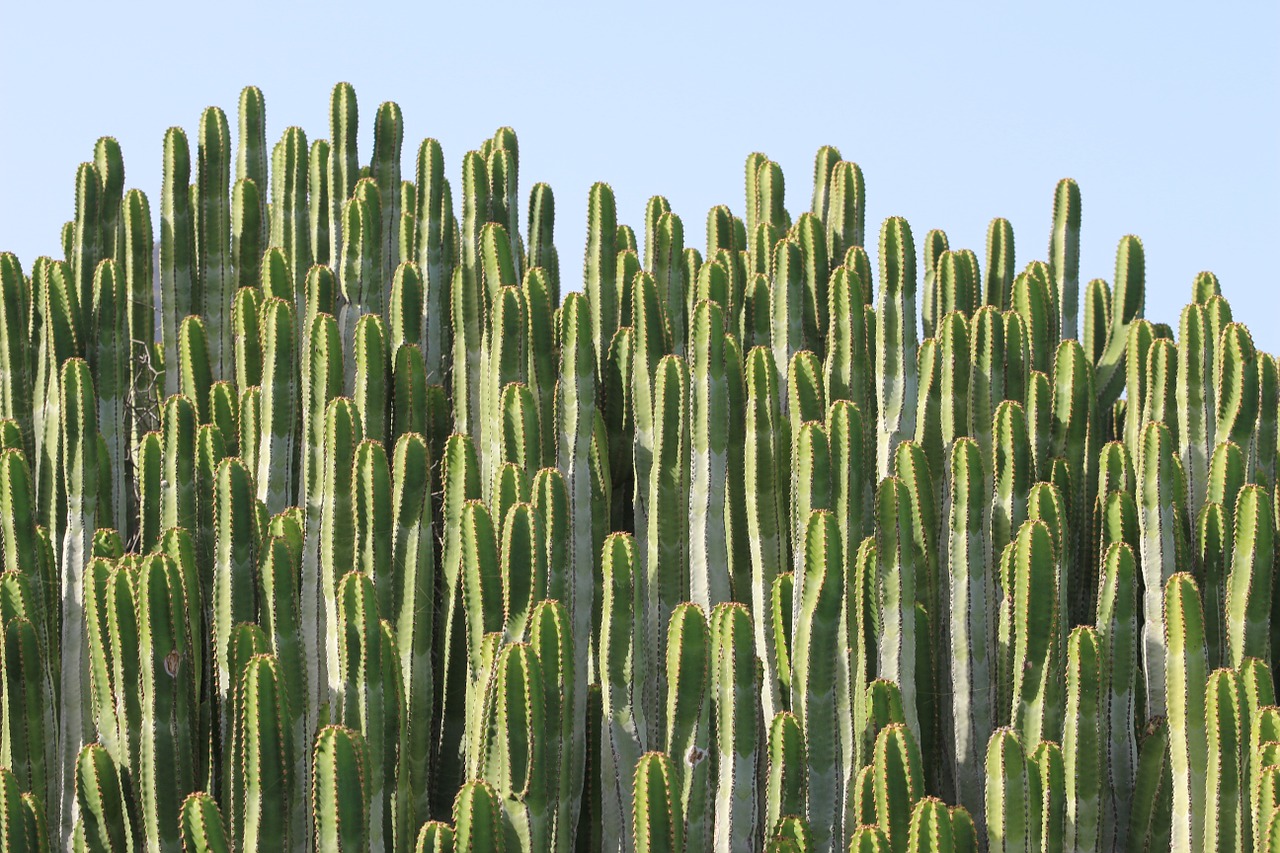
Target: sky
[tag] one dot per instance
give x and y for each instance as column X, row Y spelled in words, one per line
column 1168, row 115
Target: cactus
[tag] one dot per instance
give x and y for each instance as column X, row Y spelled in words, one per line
column 895, row 340
column 735, row 691
column 1186, row 673
column 767, row 501
column 624, row 645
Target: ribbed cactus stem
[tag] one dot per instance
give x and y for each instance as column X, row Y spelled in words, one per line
column 79, row 441
column 1186, row 674
column 736, row 691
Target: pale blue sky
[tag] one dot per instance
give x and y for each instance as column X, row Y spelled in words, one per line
column 1167, row 114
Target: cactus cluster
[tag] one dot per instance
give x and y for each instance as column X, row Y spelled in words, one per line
column 340, row 522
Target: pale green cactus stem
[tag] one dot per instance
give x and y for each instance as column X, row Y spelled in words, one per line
column 342, row 433
column 1046, row 765
column 1256, row 693
column 1064, row 252
column 1037, row 710
column 179, row 286
column 413, row 593
column 897, row 783
column 688, row 719
column 954, row 372
column 787, row 783
column 1082, row 743
column 461, row 476
column 27, row 738
column 136, row 262
column 791, row 835
column 1250, row 583
column 235, row 570
column 108, row 160
column 625, row 650
column 1032, row 302
column 1163, row 549
column 79, row 469
column 14, row 350
column 575, row 401
column 122, row 636
column 1127, row 299
column 972, row 602
column 371, row 502
column 434, row 257
column 109, row 360
column 709, row 582
column 824, row 164
column 503, row 360
column 1263, row 459
column 1074, row 438
column 251, row 148
column 811, row 485
column 276, row 452
column 468, row 320
column 964, row 833
column 201, row 825
column 1237, row 385
column 150, row 479
column 931, row 827
column 736, row 692
column 482, row 600
column 814, row 680
column 21, row 549
column 1012, row 796
column 541, row 373
column 1186, row 672
column 343, row 161
column 1138, row 347
column 388, row 138
column 786, row 308
column 999, row 266
column 515, row 749
column 895, row 340
column 102, row 820
column 166, row 748
column 320, row 204
column 868, row 839
column 847, row 358
column 263, row 812
column 193, row 364
column 281, row 620
column 765, row 511
column 657, row 821
column 845, row 210
column 404, row 307
column 669, row 276
column 212, row 213
column 435, row 837
column 504, row 186
column 290, row 228
column 600, row 270
column 86, row 235
column 935, row 245
column 541, row 251
column 180, row 427
column 340, row 791
column 477, row 818
column 898, row 567
column 811, row 236
column 986, row 384
column 1150, row 826
column 548, row 635
column 1224, row 818
column 362, row 702
column 1160, row 403
column 1117, row 628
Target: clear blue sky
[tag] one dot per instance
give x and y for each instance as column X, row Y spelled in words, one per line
column 1167, row 114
